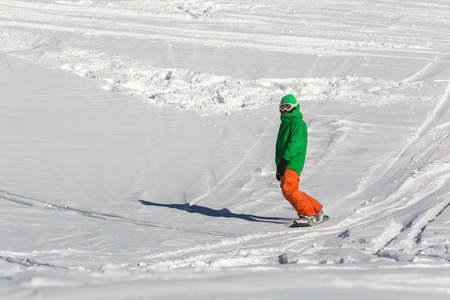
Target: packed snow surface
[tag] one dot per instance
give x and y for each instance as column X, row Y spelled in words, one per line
column 137, row 154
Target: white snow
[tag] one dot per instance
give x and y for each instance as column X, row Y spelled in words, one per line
column 137, row 154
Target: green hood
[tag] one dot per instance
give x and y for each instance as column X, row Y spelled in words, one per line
column 288, row 99
column 296, row 113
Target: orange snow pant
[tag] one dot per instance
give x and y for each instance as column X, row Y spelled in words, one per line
column 303, row 203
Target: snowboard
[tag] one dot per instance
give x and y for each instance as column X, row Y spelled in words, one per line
column 295, row 225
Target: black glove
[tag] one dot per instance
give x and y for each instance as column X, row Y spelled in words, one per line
column 281, row 168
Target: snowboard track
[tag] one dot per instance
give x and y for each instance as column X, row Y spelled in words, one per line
column 410, row 226
column 23, row 200
column 28, row 262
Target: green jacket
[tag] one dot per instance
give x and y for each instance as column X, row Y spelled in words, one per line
column 292, row 140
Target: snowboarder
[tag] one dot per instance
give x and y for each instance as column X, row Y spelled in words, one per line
column 290, row 159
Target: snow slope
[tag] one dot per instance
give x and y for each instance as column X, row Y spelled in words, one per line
column 138, row 146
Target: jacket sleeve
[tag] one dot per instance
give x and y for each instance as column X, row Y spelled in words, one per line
column 297, row 141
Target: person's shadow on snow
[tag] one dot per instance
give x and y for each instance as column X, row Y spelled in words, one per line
column 224, row 212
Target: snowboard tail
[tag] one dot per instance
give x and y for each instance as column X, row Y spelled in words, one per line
column 296, row 225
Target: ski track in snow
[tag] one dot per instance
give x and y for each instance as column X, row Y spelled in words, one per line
column 410, row 170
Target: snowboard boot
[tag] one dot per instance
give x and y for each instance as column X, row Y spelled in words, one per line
column 306, row 221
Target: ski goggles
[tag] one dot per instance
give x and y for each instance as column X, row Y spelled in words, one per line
column 287, row 106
